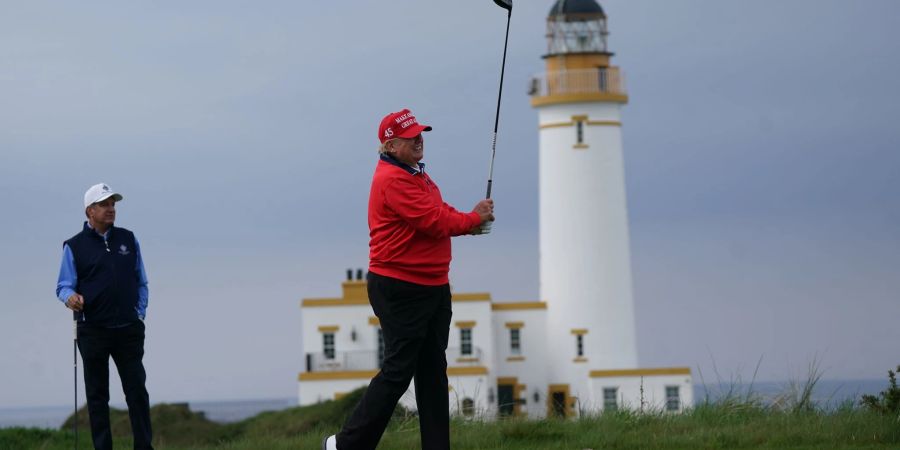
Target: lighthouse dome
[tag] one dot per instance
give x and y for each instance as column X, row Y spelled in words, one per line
column 564, row 7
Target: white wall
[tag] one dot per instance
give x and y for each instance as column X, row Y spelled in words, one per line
column 311, row 392
column 348, row 318
column 482, row 336
column 654, row 395
column 532, row 372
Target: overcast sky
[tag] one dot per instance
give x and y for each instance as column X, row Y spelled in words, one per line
column 761, row 156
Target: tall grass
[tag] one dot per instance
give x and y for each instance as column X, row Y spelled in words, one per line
column 740, row 419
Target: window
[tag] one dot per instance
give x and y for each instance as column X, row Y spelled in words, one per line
column 603, row 79
column 380, row 348
column 465, row 341
column 579, row 342
column 328, row 345
column 515, row 343
column 610, row 399
column 579, row 131
column 673, row 400
column 468, row 407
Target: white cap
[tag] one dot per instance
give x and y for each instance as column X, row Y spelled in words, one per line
column 98, row 193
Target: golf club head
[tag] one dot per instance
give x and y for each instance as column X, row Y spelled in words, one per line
column 505, row 4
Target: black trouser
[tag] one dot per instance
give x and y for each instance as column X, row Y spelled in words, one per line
column 415, row 320
column 126, row 346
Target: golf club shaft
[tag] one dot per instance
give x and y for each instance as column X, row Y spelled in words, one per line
column 75, row 376
column 497, row 115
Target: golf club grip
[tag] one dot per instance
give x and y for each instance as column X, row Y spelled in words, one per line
column 489, row 189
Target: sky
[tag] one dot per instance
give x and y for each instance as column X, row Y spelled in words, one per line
column 761, row 161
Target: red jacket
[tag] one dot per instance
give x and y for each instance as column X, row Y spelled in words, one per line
column 410, row 225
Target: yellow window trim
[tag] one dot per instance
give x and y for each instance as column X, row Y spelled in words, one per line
column 515, row 358
column 515, row 325
column 590, row 123
column 337, row 375
column 578, row 331
column 578, row 98
column 658, row 371
column 556, row 125
column 465, row 324
column 471, row 297
column 467, row 370
column 364, row 374
column 580, row 146
column 329, row 328
column 323, row 302
column 466, row 360
column 355, row 295
column 512, row 306
column 604, row 123
column 581, row 118
column 580, row 359
column 374, row 321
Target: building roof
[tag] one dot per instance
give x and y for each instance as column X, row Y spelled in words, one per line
column 563, row 7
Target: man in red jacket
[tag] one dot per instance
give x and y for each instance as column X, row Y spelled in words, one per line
column 410, row 228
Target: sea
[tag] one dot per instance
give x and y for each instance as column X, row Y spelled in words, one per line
column 218, row 411
column 827, row 394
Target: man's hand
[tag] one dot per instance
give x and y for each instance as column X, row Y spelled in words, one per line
column 485, row 209
column 484, row 228
column 75, row 302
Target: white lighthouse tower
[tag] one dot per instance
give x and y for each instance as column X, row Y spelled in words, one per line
column 585, row 263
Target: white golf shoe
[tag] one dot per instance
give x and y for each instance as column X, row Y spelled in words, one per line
column 329, row 443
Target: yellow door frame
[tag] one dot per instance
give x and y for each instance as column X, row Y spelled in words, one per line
column 517, row 392
column 568, row 400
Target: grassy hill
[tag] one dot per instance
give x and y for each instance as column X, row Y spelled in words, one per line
column 725, row 424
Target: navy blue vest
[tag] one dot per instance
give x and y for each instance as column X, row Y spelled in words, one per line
column 107, row 276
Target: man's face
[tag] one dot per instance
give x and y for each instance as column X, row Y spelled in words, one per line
column 103, row 213
column 409, row 151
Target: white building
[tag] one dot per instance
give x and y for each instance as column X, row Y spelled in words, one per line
column 575, row 351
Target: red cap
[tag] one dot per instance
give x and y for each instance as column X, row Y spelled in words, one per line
column 401, row 124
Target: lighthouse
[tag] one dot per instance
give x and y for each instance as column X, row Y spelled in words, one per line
column 585, row 262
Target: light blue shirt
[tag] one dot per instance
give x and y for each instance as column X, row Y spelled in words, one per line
column 68, row 278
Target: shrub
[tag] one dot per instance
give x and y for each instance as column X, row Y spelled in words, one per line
column 888, row 401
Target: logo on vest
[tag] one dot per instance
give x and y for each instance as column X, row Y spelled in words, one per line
column 123, row 250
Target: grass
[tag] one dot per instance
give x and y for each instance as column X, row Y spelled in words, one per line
column 737, row 422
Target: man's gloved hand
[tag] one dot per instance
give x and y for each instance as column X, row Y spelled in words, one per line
column 485, row 209
column 484, row 228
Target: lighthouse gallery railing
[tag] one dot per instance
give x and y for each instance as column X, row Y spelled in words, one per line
column 580, row 81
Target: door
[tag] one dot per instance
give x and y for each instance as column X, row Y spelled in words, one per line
column 559, row 404
column 558, row 401
column 506, row 401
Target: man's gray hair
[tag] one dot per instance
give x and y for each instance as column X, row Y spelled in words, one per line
column 382, row 149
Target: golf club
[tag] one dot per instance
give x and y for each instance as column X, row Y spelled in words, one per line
column 75, row 376
column 507, row 5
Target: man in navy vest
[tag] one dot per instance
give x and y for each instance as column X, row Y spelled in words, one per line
column 102, row 280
